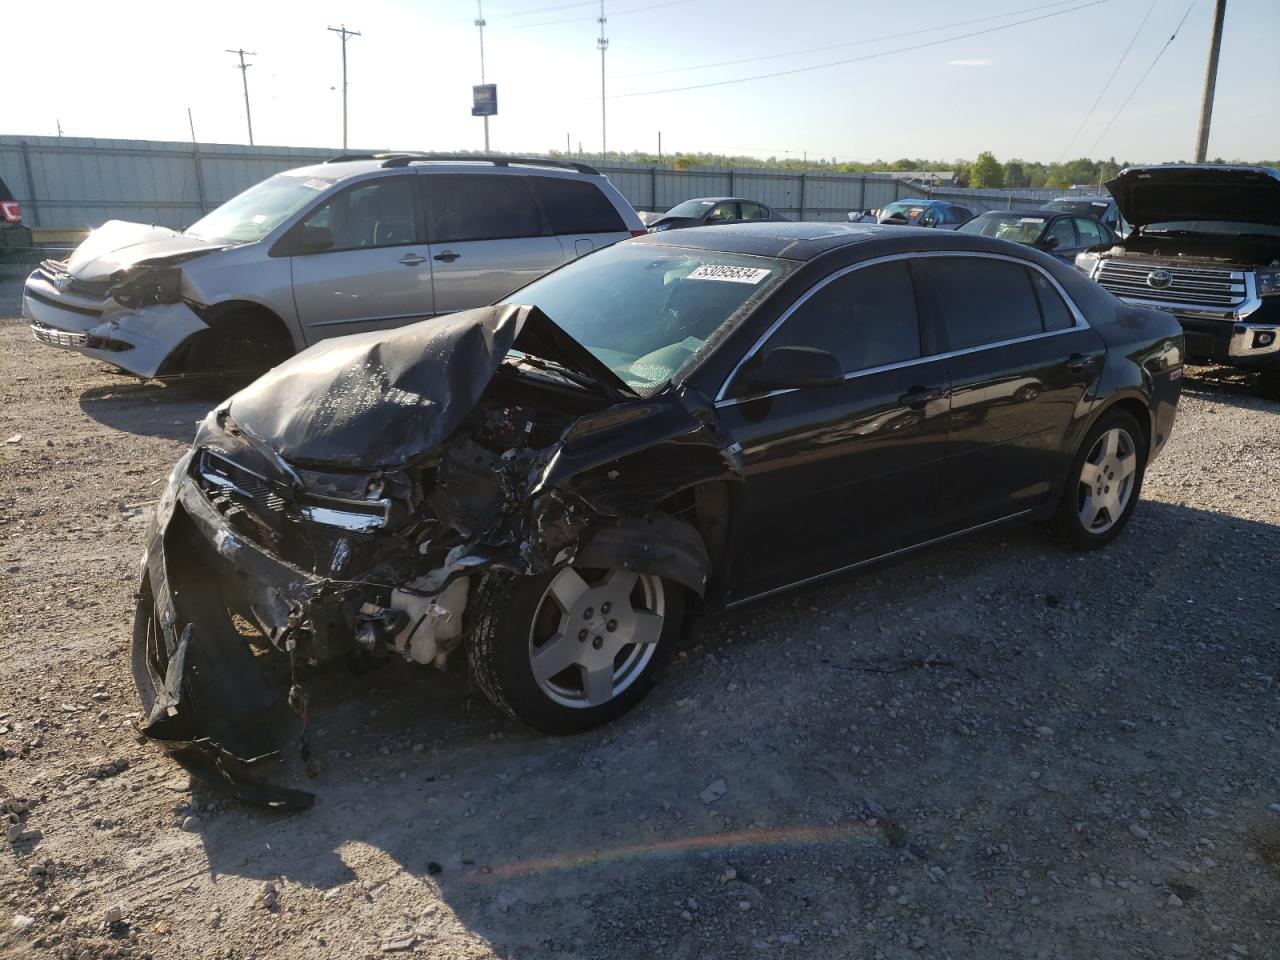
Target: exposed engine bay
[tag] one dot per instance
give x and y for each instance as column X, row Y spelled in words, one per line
column 352, row 501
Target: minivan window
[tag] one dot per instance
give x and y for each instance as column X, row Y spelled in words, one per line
column 467, row 206
column 375, row 213
column 647, row 312
column 251, row 215
column 867, row 318
column 982, row 300
column 576, row 206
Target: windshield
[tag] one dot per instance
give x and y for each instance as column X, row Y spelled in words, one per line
column 1087, row 208
column 251, row 215
column 1228, row 227
column 690, row 208
column 648, row 312
column 907, row 208
column 1006, row 226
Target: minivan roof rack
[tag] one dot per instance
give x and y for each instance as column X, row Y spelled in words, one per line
column 402, row 158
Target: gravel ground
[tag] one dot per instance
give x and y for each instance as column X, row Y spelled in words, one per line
column 989, row 749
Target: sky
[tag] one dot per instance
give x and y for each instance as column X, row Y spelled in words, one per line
column 930, row 78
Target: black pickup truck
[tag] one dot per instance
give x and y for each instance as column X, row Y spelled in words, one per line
column 1205, row 246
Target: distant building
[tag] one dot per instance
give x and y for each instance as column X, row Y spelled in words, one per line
column 925, row 178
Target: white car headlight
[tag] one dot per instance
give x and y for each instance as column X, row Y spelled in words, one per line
column 1268, row 282
column 1087, row 263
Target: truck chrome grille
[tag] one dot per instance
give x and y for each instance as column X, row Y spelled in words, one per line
column 1192, row 286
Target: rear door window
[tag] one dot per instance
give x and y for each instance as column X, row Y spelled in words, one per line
column 464, row 206
column 1053, row 308
column 982, row 300
column 753, row 211
column 867, row 318
column 576, row 206
column 1090, row 233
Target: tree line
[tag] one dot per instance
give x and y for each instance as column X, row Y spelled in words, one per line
column 984, row 171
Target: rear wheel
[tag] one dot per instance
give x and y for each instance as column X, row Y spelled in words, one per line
column 1104, row 482
column 572, row 649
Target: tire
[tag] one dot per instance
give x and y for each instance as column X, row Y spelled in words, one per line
column 1269, row 384
column 572, row 619
column 1104, row 482
column 240, row 346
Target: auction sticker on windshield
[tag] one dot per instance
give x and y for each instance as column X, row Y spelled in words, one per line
column 713, row 271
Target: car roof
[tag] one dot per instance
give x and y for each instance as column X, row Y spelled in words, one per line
column 1092, row 198
column 800, row 240
column 1039, row 213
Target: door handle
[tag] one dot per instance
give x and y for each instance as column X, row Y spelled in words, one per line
column 412, row 259
column 918, row 397
column 1078, row 362
column 448, row 256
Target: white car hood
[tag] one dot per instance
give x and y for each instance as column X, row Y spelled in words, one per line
column 117, row 245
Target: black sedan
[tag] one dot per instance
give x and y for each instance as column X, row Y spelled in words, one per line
column 710, row 212
column 1062, row 235
column 673, row 423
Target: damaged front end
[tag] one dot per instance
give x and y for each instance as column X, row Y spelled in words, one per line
column 349, row 503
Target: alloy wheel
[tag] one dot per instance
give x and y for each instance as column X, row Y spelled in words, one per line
column 594, row 633
column 1107, row 480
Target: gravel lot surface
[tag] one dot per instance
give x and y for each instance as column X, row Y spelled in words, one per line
column 991, row 749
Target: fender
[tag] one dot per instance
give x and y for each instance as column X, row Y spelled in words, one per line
column 657, row 545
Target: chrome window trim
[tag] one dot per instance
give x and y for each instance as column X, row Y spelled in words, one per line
column 1080, row 321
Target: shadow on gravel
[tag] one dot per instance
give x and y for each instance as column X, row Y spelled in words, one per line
column 169, row 409
column 1226, row 385
column 424, row 787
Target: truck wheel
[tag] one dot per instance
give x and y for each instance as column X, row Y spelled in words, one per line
column 1270, row 384
column 572, row 649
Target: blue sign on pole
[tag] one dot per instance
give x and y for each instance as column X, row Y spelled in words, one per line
column 484, row 100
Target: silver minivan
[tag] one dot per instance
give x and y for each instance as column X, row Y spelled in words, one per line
column 360, row 242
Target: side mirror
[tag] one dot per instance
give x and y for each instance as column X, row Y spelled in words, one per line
column 1049, row 243
column 784, row 368
column 313, row 240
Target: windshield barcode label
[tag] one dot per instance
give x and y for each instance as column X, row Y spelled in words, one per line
column 709, row 271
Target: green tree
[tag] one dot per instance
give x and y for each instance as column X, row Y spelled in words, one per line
column 1014, row 175
column 986, row 171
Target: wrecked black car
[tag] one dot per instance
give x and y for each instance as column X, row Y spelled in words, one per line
column 552, row 484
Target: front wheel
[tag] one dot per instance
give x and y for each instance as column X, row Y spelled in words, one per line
column 1103, row 483
column 573, row 648
column 1270, row 384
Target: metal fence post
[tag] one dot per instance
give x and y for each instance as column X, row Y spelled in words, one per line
column 732, row 192
column 195, row 154
column 862, row 193
column 802, row 196
column 31, row 183
column 653, row 187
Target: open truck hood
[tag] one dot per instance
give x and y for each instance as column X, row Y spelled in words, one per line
column 1179, row 191
column 117, row 245
column 387, row 397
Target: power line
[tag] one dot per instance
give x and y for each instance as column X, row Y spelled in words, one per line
column 869, row 56
column 561, row 6
column 615, row 13
column 1106, row 86
column 1134, row 91
column 849, row 43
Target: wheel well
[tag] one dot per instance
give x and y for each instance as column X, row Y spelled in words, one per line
column 246, row 311
column 224, row 318
column 1136, row 409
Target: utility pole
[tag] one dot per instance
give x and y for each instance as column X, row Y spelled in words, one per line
column 1210, row 81
column 244, row 78
column 603, row 44
column 343, row 32
column 659, row 146
column 480, row 24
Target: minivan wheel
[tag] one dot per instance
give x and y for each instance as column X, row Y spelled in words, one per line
column 1104, row 482
column 239, row 346
column 573, row 648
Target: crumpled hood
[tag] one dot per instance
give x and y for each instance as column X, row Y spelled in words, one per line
column 387, row 397
column 117, row 245
column 1179, row 191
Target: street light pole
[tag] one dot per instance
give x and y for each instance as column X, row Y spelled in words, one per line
column 344, row 33
column 1210, row 81
column 603, row 44
column 480, row 25
column 244, row 77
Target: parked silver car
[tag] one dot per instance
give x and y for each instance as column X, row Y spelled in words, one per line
column 360, row 242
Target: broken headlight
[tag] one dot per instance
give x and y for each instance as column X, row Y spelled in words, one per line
column 149, row 286
column 1268, row 282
